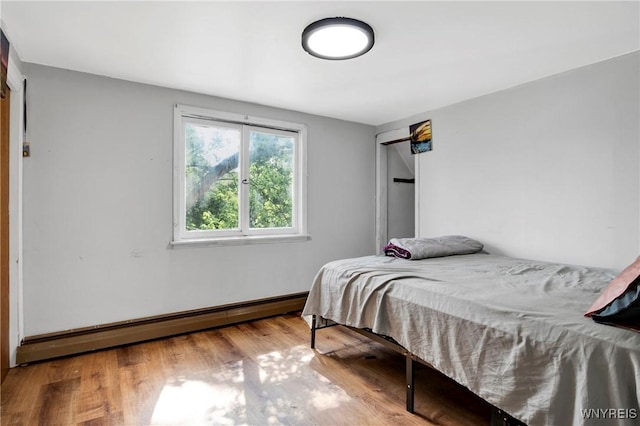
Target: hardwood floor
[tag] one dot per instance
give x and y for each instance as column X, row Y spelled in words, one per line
column 256, row 373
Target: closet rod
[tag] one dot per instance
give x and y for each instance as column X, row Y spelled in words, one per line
column 396, row 141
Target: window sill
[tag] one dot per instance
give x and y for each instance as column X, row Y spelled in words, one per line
column 239, row 241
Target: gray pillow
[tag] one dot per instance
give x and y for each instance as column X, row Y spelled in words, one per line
column 422, row 248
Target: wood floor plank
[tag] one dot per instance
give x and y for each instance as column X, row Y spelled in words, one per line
column 206, row 347
column 17, row 400
column 140, row 386
column 63, row 369
column 56, row 403
column 111, row 419
column 131, row 355
column 254, row 373
column 99, row 394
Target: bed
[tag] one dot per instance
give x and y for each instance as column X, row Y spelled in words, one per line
column 513, row 331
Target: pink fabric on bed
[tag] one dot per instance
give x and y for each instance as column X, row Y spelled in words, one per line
column 616, row 287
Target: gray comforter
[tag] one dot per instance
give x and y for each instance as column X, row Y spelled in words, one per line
column 510, row 330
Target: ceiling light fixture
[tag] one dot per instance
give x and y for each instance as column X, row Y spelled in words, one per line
column 337, row 38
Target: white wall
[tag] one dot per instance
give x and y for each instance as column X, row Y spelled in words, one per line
column 98, row 206
column 547, row 170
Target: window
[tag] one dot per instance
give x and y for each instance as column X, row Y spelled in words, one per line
column 238, row 179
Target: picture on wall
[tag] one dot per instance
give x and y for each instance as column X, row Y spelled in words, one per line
column 420, row 135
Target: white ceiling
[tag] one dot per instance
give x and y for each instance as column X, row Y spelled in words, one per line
column 427, row 54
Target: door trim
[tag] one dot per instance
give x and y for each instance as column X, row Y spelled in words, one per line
column 5, row 127
column 382, row 139
column 15, row 81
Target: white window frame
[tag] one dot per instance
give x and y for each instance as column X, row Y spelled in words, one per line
column 298, row 232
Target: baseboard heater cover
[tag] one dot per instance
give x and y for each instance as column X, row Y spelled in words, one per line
column 87, row 339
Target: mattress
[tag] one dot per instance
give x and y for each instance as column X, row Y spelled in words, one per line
column 510, row 330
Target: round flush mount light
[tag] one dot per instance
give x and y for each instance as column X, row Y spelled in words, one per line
column 337, row 38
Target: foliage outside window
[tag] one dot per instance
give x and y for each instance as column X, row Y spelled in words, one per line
column 237, row 178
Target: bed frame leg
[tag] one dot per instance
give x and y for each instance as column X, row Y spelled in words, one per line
column 313, row 332
column 409, row 376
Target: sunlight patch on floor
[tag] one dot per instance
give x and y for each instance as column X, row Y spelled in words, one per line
column 320, row 393
column 278, row 387
column 322, row 400
column 219, row 400
column 280, row 365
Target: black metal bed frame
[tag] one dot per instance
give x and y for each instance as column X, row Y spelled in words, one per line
column 498, row 417
column 389, row 343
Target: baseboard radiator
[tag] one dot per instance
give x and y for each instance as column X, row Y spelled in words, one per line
column 87, row 339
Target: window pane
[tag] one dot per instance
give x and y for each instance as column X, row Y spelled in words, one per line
column 271, row 180
column 211, row 166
